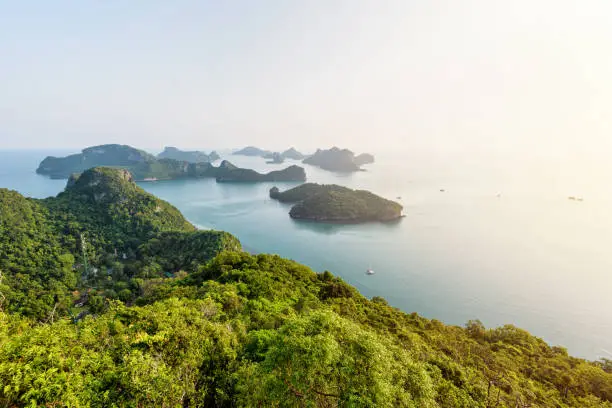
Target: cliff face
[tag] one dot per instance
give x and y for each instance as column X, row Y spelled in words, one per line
column 333, row 203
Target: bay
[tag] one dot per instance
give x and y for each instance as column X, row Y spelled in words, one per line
column 501, row 243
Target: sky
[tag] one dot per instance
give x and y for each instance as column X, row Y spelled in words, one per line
column 475, row 75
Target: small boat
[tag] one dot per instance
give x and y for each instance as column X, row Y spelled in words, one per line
column 370, row 271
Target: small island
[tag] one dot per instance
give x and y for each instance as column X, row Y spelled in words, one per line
column 275, row 158
column 292, row 154
column 188, row 156
column 252, row 151
column 338, row 160
column 364, row 158
column 337, row 204
column 146, row 167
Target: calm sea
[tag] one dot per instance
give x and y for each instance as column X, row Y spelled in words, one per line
column 501, row 243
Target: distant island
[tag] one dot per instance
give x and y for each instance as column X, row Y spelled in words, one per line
column 333, row 203
column 253, row 151
column 227, row 172
column 188, row 156
column 146, row 167
column 275, row 158
column 339, row 160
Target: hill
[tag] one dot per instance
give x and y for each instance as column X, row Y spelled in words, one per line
column 102, row 219
column 188, row 156
column 333, row 203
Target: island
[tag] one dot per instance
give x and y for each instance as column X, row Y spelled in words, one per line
column 110, row 297
column 252, row 151
column 338, row 160
column 188, row 156
column 227, row 172
column 293, row 154
column 275, row 158
column 338, row 204
column 146, row 167
column 364, row 158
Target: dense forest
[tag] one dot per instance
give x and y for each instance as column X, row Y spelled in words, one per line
column 109, row 297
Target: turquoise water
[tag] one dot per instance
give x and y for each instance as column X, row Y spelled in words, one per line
column 502, row 243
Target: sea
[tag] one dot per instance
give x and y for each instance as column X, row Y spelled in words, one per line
column 504, row 239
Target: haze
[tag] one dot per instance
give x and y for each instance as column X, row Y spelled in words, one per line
column 480, row 75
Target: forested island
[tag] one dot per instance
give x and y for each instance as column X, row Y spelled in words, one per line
column 339, row 160
column 188, row 156
column 333, row 203
column 146, row 167
column 110, row 297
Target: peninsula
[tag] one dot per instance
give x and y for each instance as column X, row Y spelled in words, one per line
column 333, row 203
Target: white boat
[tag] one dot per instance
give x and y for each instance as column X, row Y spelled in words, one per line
column 370, row 271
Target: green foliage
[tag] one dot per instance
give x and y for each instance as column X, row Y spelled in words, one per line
column 102, row 217
column 174, row 250
column 336, row 203
column 185, row 319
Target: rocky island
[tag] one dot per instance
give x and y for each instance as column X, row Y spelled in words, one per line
column 188, row 156
column 333, row 203
column 338, row 160
column 146, row 167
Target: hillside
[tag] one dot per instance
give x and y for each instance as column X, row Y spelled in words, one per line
column 333, row 203
column 182, row 318
column 103, row 215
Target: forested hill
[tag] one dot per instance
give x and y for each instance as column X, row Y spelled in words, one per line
column 158, row 314
column 100, row 228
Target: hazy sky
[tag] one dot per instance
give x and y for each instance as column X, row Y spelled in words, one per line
column 479, row 74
